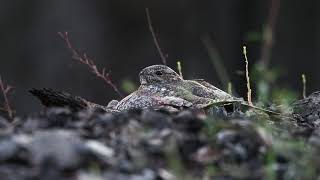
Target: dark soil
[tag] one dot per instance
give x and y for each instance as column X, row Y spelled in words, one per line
column 148, row 144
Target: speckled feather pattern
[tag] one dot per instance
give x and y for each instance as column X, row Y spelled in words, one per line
column 169, row 89
column 159, row 86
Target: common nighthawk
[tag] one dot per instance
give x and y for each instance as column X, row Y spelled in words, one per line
column 160, row 86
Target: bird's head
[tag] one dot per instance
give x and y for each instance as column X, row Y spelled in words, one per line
column 158, row 74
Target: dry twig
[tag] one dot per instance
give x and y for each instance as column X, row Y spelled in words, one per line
column 155, row 40
column 249, row 95
column 84, row 59
column 6, row 89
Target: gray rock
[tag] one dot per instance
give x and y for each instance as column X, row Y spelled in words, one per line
column 60, row 148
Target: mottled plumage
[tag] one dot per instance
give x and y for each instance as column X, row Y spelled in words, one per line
column 160, row 83
column 160, row 86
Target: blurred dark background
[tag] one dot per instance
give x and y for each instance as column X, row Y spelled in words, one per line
column 115, row 34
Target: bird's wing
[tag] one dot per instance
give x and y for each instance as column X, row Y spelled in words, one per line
column 174, row 101
column 206, row 84
column 204, row 89
column 129, row 102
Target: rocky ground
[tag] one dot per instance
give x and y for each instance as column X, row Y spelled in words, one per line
column 148, row 144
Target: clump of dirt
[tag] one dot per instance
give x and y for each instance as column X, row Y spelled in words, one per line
column 148, row 144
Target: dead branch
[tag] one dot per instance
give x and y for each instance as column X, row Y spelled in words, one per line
column 155, row 40
column 6, row 89
column 84, row 59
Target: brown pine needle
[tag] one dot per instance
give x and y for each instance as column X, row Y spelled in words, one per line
column 84, row 59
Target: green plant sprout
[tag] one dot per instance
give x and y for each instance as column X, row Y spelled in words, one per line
column 179, row 67
column 229, row 88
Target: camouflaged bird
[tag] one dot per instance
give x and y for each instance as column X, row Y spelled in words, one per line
column 160, row 87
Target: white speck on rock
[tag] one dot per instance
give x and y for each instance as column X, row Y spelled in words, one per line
column 100, row 148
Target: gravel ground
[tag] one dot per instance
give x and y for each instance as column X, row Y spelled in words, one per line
column 148, row 144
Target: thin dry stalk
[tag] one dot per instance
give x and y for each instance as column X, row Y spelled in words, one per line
column 179, row 67
column 249, row 95
column 304, row 83
column 155, row 40
column 84, row 59
column 6, row 89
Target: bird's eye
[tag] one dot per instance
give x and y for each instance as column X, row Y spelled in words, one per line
column 158, row 73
